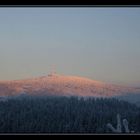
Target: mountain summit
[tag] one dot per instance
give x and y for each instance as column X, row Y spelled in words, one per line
column 55, row 84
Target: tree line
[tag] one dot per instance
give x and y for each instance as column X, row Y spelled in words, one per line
column 58, row 114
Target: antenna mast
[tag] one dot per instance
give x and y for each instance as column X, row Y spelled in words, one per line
column 53, row 70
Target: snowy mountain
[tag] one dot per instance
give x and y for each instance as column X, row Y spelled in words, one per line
column 54, row 84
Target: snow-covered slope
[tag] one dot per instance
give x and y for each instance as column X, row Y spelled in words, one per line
column 54, row 84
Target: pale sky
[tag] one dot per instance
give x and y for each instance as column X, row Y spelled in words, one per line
column 98, row 43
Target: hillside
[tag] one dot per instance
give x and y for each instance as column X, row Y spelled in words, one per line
column 55, row 84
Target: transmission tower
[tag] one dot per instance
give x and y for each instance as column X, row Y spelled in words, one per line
column 53, row 70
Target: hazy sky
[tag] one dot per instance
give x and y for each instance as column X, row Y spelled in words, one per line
column 99, row 43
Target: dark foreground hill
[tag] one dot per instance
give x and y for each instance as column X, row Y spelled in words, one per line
column 53, row 114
